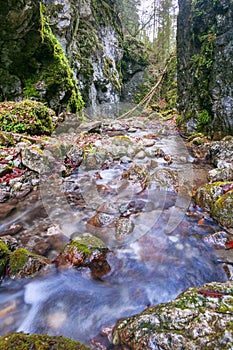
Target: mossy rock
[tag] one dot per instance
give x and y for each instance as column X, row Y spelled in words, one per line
column 222, row 210
column 24, row 263
column 200, row 318
column 207, row 195
column 21, row 341
column 86, row 251
column 4, row 257
column 26, row 116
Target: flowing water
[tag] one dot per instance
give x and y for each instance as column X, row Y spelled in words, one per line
column 157, row 254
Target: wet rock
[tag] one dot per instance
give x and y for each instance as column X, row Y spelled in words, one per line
column 6, row 209
column 86, row 250
column 74, row 157
column 164, row 179
column 148, row 142
column 11, row 242
column 140, row 155
column 124, row 227
column 22, row 341
column 137, row 173
column 38, row 160
column 23, row 263
column 222, row 209
column 4, row 195
column 12, row 229
column 207, row 195
column 217, row 240
column 199, row 318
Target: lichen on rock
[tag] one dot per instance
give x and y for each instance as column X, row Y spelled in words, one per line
column 200, row 318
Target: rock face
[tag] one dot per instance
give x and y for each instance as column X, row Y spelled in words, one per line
column 200, row 318
column 205, row 68
column 51, row 50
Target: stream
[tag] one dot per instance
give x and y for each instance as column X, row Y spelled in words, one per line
column 145, row 216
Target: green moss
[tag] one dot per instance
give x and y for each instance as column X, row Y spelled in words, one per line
column 222, row 209
column 26, row 116
column 21, row 341
column 57, row 75
column 81, row 247
column 17, row 260
column 4, row 257
column 203, row 119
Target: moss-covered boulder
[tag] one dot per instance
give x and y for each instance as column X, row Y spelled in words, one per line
column 217, row 198
column 200, row 318
column 26, row 116
column 86, row 250
column 222, row 210
column 21, row 341
column 23, row 263
column 207, row 195
column 4, row 256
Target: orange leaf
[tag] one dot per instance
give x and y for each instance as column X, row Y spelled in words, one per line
column 201, row 222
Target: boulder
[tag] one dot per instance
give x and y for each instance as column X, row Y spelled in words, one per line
column 199, row 318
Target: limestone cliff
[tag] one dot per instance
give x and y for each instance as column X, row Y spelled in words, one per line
column 205, row 65
column 52, row 50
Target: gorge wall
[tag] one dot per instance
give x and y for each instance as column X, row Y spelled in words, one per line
column 205, row 65
column 60, row 52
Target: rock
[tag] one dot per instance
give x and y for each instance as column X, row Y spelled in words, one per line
column 225, row 174
column 164, row 179
column 124, row 227
column 205, row 68
column 13, row 229
column 38, row 160
column 22, row 341
column 86, row 250
column 4, row 195
column 6, row 139
column 148, row 142
column 23, row 263
column 199, row 318
column 207, row 195
column 221, row 210
column 217, row 240
column 74, row 157
column 90, row 126
column 6, row 209
column 11, row 242
column 4, row 169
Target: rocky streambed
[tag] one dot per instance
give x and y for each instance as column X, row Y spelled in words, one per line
column 105, row 219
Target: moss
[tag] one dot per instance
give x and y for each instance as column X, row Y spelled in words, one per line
column 57, row 73
column 203, row 119
column 4, row 257
column 26, row 116
column 122, row 140
column 222, row 209
column 17, row 260
column 21, row 341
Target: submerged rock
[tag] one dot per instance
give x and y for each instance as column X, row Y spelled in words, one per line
column 38, row 341
column 200, row 318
